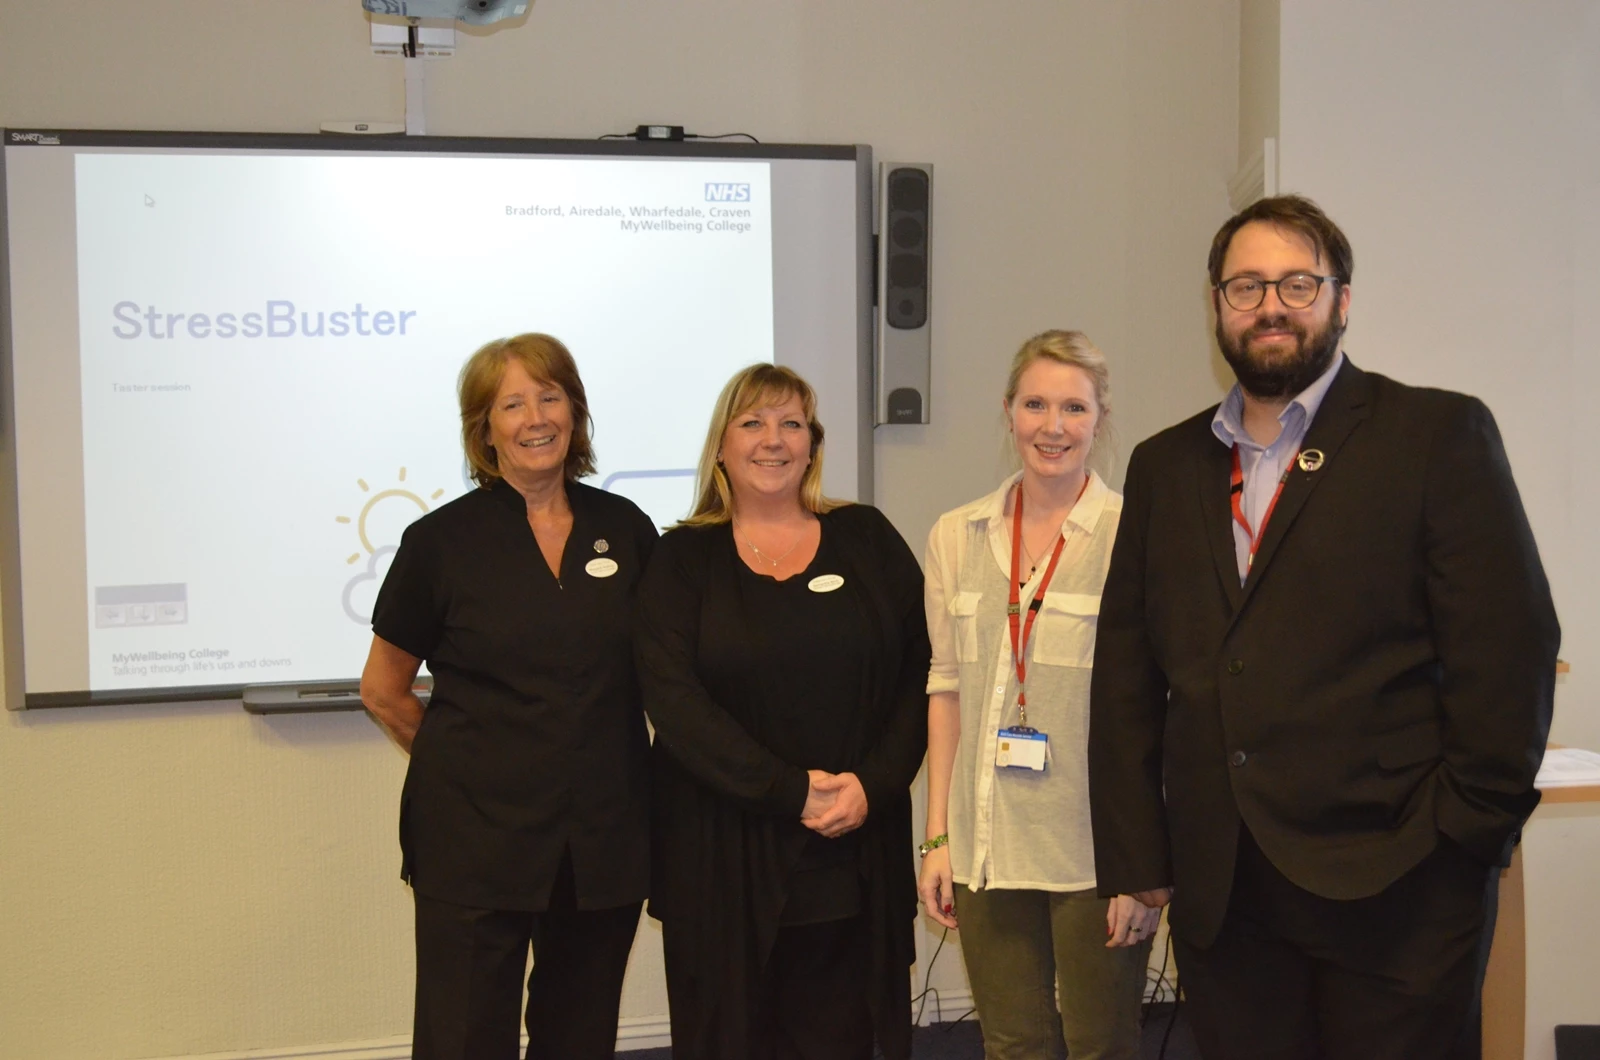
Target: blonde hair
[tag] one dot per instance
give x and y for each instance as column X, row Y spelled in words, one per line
column 758, row 386
column 1071, row 348
column 546, row 360
column 1075, row 350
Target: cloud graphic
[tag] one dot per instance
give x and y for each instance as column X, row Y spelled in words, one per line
column 361, row 592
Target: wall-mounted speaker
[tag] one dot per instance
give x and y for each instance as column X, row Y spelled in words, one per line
column 905, row 336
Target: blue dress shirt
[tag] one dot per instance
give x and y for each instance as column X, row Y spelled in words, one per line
column 1263, row 465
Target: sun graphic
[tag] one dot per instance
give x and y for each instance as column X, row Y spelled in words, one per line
column 373, row 502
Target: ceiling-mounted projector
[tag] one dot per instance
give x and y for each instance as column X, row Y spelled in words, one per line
column 476, row 12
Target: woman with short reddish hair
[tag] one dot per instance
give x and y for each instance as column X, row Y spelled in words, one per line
column 524, row 818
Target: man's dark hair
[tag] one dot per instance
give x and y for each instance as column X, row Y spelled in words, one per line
column 1298, row 214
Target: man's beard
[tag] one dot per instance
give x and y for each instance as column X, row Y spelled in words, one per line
column 1281, row 375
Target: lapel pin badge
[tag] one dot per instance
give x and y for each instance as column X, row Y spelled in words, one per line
column 1310, row 459
column 602, row 547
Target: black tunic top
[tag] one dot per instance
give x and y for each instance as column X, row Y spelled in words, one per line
column 810, row 710
column 729, row 787
column 534, row 738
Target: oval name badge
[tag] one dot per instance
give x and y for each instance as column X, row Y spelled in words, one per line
column 825, row 583
column 601, row 568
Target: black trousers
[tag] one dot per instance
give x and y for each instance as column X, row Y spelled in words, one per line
column 810, row 1004
column 469, row 978
column 1295, row 976
column 813, row 1001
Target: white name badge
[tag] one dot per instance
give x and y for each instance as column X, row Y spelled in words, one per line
column 601, row 568
column 826, row 583
column 1021, row 748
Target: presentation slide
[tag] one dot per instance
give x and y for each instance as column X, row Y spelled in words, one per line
column 269, row 347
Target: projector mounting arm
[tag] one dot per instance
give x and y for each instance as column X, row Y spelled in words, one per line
column 403, row 33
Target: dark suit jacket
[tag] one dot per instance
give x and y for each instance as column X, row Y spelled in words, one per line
column 1383, row 677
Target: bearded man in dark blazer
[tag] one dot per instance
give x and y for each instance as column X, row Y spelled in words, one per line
column 1323, row 678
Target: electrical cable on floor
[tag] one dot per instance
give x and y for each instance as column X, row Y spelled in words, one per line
column 1172, row 1021
column 1177, row 998
column 921, row 1000
column 1161, row 983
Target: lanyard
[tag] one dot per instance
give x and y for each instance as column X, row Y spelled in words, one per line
column 1020, row 632
column 1236, row 494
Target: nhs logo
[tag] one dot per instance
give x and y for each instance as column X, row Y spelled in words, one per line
column 727, row 193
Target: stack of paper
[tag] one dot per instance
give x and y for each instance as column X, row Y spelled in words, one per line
column 1568, row 766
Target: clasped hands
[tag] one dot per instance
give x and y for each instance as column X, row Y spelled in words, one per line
column 835, row 803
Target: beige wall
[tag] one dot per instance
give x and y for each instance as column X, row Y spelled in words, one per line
column 1258, row 75
column 185, row 880
column 1471, row 194
column 1458, row 144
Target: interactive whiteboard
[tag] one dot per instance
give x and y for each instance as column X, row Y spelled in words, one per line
column 232, row 364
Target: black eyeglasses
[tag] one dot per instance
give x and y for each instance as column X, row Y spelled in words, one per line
column 1296, row 290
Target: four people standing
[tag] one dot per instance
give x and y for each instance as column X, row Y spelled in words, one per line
column 1306, row 707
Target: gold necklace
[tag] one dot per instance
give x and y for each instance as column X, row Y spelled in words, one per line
column 1027, row 557
column 1033, row 561
column 751, row 545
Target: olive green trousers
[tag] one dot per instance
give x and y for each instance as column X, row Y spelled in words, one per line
column 1025, row 949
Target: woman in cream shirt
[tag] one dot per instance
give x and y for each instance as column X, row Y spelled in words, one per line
column 1013, row 594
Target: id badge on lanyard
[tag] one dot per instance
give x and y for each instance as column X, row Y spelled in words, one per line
column 1020, row 746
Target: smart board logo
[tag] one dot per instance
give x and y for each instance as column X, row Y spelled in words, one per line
column 727, row 193
column 45, row 139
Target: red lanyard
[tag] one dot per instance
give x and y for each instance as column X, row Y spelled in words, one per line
column 1020, row 632
column 1236, row 494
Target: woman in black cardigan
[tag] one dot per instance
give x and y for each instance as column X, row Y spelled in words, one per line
column 783, row 651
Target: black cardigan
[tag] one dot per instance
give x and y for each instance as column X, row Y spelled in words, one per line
column 722, row 800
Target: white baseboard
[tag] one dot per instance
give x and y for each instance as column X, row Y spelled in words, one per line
column 634, row 1032
column 378, row 1049
column 943, row 1006
column 643, row 1032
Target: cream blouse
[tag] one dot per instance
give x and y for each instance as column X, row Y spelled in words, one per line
column 1016, row 828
